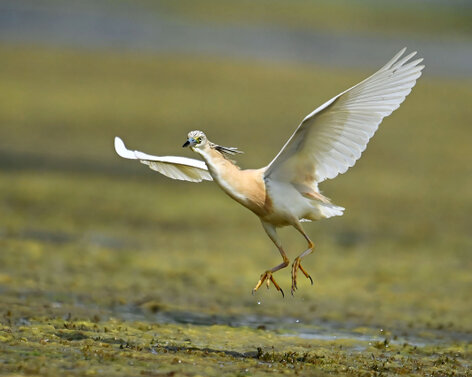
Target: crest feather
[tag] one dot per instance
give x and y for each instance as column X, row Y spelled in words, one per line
column 227, row 152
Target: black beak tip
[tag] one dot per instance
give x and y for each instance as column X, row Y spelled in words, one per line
column 186, row 144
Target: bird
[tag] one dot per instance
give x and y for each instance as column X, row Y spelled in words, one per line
column 326, row 143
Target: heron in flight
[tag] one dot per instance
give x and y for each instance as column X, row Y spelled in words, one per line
column 328, row 141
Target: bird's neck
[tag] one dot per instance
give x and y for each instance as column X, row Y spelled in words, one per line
column 218, row 165
column 224, row 172
column 245, row 186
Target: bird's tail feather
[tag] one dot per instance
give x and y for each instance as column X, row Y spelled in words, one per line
column 330, row 210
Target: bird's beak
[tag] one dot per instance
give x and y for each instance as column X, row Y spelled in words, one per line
column 190, row 142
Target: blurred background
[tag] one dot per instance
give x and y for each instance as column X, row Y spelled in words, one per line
column 85, row 232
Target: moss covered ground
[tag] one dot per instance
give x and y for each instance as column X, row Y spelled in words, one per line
column 107, row 268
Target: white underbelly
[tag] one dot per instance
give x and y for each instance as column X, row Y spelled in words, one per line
column 288, row 205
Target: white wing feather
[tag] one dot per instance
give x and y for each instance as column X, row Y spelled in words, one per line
column 182, row 168
column 331, row 138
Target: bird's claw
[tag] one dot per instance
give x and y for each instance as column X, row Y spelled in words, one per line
column 295, row 267
column 267, row 278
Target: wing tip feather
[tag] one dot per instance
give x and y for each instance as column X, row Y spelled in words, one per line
column 122, row 151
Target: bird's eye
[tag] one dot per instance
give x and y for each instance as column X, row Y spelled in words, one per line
column 198, row 140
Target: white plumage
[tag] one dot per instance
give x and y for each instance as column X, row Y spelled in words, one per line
column 328, row 142
column 182, row 168
column 331, row 138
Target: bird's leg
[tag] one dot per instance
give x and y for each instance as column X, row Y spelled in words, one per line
column 267, row 275
column 297, row 262
column 296, row 265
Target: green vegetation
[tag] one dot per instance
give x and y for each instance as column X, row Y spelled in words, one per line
column 108, row 268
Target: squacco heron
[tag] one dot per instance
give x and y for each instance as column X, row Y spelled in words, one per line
column 328, row 141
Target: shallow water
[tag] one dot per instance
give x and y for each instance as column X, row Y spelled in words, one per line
column 325, row 330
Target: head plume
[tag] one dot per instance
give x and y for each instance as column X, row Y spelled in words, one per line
column 198, row 139
column 227, row 152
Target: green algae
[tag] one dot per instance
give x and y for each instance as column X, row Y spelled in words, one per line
column 108, row 269
column 115, row 347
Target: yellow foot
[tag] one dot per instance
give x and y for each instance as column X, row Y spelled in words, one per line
column 267, row 277
column 295, row 266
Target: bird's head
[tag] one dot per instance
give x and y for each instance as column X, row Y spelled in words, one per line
column 195, row 139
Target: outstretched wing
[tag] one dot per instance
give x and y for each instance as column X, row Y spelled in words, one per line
column 331, row 138
column 182, row 168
